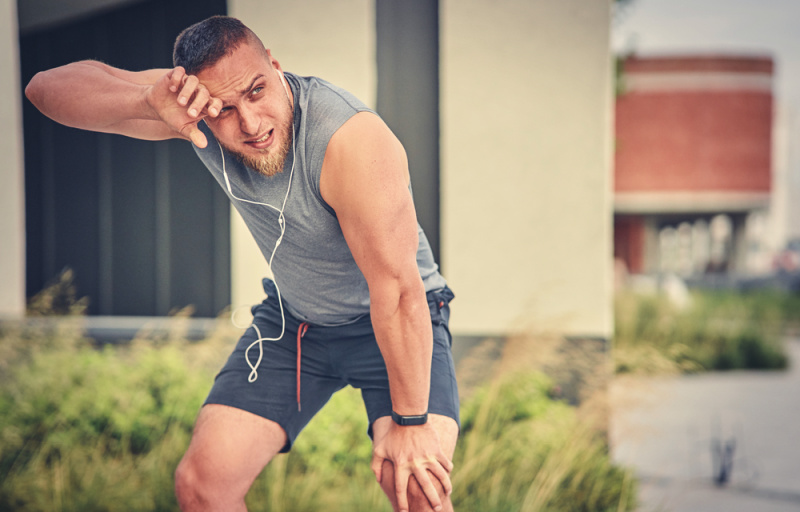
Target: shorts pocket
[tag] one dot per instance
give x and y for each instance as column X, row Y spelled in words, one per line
column 438, row 300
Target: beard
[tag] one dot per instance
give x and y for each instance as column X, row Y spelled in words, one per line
column 271, row 160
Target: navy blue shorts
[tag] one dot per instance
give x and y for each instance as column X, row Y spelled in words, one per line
column 331, row 358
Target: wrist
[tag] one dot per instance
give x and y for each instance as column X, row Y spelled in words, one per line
column 148, row 109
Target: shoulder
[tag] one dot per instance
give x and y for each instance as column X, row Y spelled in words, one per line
column 320, row 93
column 363, row 151
column 364, row 133
column 324, row 105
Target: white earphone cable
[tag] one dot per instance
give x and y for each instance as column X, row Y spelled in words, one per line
column 282, row 223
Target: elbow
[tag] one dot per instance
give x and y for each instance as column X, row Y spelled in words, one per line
column 33, row 91
column 396, row 291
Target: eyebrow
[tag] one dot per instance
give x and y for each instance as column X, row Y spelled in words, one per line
column 252, row 84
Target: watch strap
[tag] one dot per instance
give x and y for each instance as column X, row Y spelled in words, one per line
column 406, row 421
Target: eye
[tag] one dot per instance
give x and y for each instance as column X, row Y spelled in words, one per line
column 257, row 90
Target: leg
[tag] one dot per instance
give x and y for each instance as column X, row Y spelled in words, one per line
column 448, row 435
column 229, row 448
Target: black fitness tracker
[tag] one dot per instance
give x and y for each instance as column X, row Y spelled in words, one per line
column 406, row 421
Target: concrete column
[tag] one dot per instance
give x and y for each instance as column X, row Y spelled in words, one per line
column 12, row 176
column 652, row 251
column 739, row 244
column 526, row 165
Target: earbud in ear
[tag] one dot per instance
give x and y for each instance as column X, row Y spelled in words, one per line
column 283, row 82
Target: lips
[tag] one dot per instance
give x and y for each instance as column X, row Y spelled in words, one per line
column 262, row 142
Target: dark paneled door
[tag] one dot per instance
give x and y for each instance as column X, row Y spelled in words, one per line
column 143, row 225
column 408, row 96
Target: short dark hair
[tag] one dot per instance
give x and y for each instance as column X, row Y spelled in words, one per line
column 206, row 42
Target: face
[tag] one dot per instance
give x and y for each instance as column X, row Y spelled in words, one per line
column 255, row 121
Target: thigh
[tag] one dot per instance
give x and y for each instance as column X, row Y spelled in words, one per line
column 230, row 447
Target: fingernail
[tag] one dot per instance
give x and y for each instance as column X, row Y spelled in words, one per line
column 182, row 101
column 193, row 112
column 212, row 111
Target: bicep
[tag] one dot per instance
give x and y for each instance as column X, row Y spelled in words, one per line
column 144, row 129
column 365, row 180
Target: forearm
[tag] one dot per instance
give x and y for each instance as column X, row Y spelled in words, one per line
column 401, row 320
column 89, row 96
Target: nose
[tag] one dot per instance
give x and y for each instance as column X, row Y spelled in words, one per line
column 248, row 120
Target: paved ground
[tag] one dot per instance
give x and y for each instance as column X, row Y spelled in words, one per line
column 665, row 428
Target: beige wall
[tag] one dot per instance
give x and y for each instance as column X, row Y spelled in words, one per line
column 526, row 140
column 12, row 210
column 332, row 40
column 526, row 177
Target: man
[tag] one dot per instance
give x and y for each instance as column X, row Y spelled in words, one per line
column 323, row 185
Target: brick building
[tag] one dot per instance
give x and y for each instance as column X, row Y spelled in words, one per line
column 692, row 160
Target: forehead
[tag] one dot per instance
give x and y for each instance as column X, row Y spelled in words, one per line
column 233, row 74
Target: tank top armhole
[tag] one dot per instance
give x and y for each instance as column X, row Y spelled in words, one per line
column 316, row 176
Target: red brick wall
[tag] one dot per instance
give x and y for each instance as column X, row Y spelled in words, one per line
column 694, row 140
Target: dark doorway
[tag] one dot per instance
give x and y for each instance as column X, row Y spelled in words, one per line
column 142, row 224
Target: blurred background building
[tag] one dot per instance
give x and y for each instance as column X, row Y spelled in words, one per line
column 505, row 109
column 693, row 172
column 743, row 58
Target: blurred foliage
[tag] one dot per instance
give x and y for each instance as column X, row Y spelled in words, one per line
column 716, row 331
column 102, row 429
column 59, row 298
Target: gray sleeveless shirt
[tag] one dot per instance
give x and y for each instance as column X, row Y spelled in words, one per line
column 313, row 266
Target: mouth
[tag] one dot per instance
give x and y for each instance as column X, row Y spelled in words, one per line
column 262, row 142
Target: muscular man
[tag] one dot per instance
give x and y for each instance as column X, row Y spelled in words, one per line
column 357, row 299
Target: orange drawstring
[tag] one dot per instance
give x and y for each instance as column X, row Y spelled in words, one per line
column 301, row 331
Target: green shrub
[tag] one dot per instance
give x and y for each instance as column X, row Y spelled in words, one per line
column 717, row 331
column 521, row 450
column 86, row 429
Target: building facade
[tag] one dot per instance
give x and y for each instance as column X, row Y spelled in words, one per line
column 692, row 161
column 505, row 109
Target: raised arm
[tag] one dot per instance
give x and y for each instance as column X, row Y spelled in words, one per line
column 155, row 104
column 365, row 180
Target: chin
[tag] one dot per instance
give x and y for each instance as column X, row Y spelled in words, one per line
column 266, row 164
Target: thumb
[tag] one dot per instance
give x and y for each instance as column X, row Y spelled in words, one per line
column 197, row 137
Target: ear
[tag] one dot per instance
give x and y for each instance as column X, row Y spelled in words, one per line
column 273, row 60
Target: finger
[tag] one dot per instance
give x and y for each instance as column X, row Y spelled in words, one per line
column 201, row 98
column 401, row 488
column 189, row 86
column 441, row 474
column 426, row 484
column 377, row 466
column 176, row 78
column 214, row 107
column 445, row 461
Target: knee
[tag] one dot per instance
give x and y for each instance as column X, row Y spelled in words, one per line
column 196, row 489
column 418, row 500
column 187, row 485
